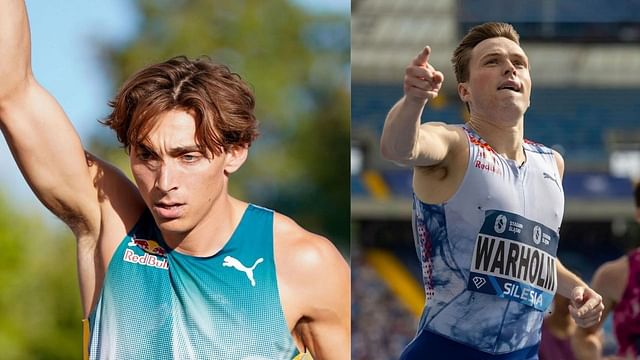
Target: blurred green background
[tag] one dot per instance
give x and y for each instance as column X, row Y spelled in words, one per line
column 297, row 61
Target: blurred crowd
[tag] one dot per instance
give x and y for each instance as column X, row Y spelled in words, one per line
column 381, row 325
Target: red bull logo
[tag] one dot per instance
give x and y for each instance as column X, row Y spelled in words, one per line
column 146, row 259
column 149, row 246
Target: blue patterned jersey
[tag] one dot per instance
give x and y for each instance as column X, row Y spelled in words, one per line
column 489, row 253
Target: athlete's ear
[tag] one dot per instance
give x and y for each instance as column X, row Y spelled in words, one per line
column 234, row 158
column 463, row 92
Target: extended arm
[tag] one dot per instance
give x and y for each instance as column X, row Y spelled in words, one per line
column 404, row 140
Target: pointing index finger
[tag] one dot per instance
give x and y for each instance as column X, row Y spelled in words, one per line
column 423, row 57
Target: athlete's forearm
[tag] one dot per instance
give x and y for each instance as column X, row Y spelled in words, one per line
column 567, row 281
column 15, row 47
column 399, row 140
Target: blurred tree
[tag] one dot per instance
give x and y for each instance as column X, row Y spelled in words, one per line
column 298, row 64
column 39, row 299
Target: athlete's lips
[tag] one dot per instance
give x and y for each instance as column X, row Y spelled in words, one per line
column 511, row 85
column 169, row 210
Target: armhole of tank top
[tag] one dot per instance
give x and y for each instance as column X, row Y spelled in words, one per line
column 272, row 214
column 470, row 150
column 129, row 234
column 554, row 162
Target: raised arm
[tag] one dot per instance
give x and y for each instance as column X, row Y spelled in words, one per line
column 404, row 140
column 41, row 138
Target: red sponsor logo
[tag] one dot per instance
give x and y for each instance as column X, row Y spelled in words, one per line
column 149, row 246
column 146, row 259
column 488, row 167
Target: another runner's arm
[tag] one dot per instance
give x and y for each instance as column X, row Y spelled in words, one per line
column 41, row 138
column 608, row 281
column 404, row 140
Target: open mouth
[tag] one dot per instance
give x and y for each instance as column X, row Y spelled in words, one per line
column 169, row 210
column 511, row 85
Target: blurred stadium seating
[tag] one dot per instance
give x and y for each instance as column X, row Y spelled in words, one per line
column 585, row 103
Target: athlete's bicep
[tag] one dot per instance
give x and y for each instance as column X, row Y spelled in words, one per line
column 50, row 156
column 436, row 142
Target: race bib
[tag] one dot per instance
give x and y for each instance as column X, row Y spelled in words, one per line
column 515, row 258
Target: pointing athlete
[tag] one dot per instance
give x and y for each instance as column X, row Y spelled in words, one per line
column 218, row 278
column 488, row 207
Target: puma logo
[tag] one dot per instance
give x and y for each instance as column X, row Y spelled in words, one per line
column 547, row 176
column 230, row 261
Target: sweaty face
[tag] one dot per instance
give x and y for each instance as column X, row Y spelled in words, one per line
column 179, row 183
column 499, row 77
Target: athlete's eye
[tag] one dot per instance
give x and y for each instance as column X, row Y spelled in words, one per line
column 144, row 154
column 519, row 64
column 191, row 157
column 491, row 61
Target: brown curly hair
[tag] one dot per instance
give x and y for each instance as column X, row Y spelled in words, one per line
column 220, row 101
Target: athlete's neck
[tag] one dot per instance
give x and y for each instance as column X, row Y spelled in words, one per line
column 212, row 232
column 506, row 137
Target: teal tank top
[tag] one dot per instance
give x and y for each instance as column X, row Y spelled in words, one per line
column 157, row 303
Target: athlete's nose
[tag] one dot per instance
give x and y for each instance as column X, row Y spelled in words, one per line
column 165, row 178
column 510, row 68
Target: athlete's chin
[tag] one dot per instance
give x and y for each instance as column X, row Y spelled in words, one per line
column 173, row 226
column 516, row 108
column 174, row 223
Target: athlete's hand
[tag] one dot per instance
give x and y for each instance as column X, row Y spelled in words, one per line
column 421, row 81
column 586, row 306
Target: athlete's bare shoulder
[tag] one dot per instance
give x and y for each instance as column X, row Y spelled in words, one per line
column 303, row 249
column 314, row 284
column 559, row 162
column 610, row 279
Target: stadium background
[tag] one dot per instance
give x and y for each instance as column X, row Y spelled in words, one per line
column 585, row 68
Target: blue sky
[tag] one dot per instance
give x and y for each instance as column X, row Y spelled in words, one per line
column 66, row 62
